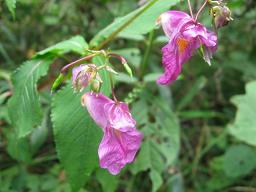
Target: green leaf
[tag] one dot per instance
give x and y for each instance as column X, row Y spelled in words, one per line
column 24, row 106
column 76, row 44
column 108, row 182
column 18, row 149
column 244, row 127
column 76, row 137
column 156, row 180
column 147, row 21
column 11, row 4
column 195, row 88
column 137, row 22
column 239, row 160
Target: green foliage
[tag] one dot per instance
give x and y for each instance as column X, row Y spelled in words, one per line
column 239, row 160
column 76, row 137
column 161, row 141
column 244, row 127
column 25, row 102
column 11, row 4
column 75, row 44
column 132, row 22
column 108, row 182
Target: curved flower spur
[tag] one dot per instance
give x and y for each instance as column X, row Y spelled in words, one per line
column 121, row 139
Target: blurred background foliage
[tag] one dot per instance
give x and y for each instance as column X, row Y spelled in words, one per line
column 200, row 132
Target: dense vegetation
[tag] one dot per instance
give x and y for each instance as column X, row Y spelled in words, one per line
column 199, row 132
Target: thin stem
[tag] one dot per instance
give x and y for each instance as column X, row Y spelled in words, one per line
column 201, row 9
column 119, row 57
column 112, row 87
column 190, row 9
column 66, row 67
column 144, row 63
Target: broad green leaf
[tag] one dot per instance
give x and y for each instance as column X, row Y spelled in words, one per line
column 108, row 182
column 11, row 4
column 76, row 137
column 239, row 160
column 137, row 22
column 147, row 21
column 244, row 127
column 24, row 106
column 76, row 44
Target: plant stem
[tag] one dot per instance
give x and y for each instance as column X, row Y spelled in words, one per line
column 66, row 67
column 201, row 9
column 190, row 9
column 144, row 63
column 112, row 86
column 126, row 24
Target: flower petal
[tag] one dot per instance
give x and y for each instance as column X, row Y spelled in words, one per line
column 171, row 19
column 171, row 64
column 95, row 105
column 118, row 148
column 119, row 116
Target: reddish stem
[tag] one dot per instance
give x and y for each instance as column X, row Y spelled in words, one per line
column 190, row 9
column 120, row 58
column 66, row 67
column 201, row 9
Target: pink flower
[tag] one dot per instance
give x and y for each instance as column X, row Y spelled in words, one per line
column 185, row 36
column 121, row 139
column 83, row 75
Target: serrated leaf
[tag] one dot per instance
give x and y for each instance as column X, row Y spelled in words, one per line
column 239, row 160
column 76, row 137
column 11, row 4
column 244, row 127
column 24, row 106
column 137, row 22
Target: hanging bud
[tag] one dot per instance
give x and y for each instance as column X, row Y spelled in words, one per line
column 95, row 85
column 83, row 75
column 222, row 15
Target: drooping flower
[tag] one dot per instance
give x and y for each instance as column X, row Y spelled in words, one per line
column 121, row 139
column 83, row 75
column 185, row 36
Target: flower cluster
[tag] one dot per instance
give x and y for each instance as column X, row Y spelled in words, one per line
column 121, row 139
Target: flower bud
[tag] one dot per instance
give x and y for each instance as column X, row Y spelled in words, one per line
column 83, row 75
column 222, row 16
column 95, row 85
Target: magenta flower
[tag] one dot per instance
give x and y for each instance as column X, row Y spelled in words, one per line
column 83, row 75
column 185, row 36
column 121, row 139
